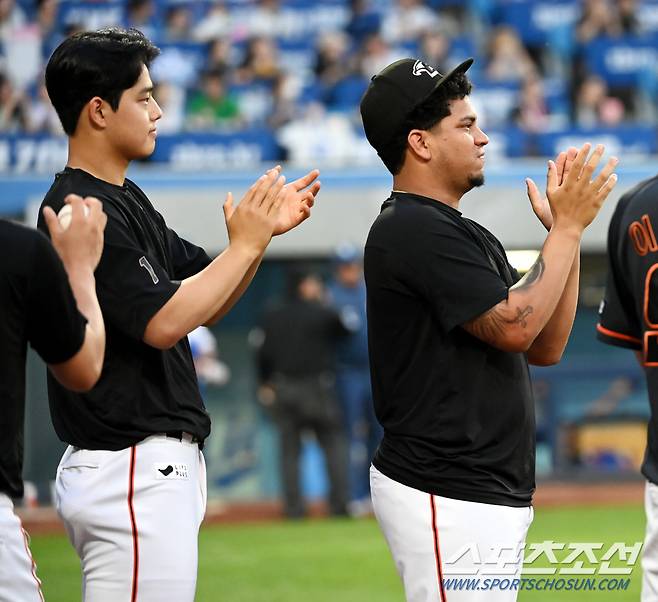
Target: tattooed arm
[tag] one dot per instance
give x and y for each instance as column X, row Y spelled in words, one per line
column 515, row 323
column 549, row 345
column 549, row 289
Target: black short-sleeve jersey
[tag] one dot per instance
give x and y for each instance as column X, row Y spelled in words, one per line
column 628, row 316
column 36, row 307
column 458, row 414
column 142, row 390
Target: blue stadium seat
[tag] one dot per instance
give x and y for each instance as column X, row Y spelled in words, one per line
column 620, row 61
column 535, row 19
column 347, row 93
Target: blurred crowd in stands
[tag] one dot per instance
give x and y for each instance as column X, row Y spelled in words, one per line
column 299, row 67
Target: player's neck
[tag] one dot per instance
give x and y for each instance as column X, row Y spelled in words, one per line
column 99, row 162
column 407, row 181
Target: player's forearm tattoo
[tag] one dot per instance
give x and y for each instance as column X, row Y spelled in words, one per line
column 491, row 325
column 533, row 275
column 521, row 315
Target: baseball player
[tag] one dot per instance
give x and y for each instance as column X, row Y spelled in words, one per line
column 131, row 487
column 48, row 300
column 628, row 318
column 452, row 329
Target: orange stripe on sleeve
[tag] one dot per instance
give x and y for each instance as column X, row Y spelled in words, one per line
column 617, row 335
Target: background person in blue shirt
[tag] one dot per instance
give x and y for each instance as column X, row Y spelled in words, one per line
column 347, row 292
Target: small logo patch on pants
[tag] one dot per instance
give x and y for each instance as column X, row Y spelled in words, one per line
column 164, row 470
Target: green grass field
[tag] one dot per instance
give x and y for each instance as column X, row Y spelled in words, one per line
column 337, row 560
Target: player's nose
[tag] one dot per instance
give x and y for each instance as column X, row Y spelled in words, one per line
column 481, row 139
column 156, row 113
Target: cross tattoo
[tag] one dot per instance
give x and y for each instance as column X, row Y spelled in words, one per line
column 522, row 314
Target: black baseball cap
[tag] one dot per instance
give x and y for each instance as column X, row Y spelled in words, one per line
column 395, row 92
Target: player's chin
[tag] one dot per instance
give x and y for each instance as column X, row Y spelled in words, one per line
column 476, row 179
column 145, row 151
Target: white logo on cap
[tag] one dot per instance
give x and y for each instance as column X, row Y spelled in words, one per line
column 420, row 68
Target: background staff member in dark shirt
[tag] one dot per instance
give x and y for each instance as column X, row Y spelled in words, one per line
column 451, row 331
column 48, row 301
column 297, row 370
column 628, row 318
column 131, row 486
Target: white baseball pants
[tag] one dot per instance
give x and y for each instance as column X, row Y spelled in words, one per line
column 650, row 549
column 133, row 517
column 18, row 577
column 448, row 550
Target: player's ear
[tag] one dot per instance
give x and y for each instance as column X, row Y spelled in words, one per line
column 417, row 141
column 97, row 110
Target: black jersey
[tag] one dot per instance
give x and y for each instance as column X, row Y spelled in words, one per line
column 458, row 414
column 142, row 390
column 628, row 316
column 36, row 307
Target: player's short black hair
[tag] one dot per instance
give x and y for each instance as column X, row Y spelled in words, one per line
column 424, row 117
column 101, row 63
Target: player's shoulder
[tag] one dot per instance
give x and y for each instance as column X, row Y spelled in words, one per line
column 22, row 244
column 643, row 193
column 19, row 235
column 77, row 181
column 411, row 216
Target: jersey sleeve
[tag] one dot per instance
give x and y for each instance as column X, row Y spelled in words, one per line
column 616, row 323
column 188, row 258
column 459, row 279
column 132, row 286
column 56, row 328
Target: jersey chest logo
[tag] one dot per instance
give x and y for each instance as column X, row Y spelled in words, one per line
column 143, row 262
column 169, row 471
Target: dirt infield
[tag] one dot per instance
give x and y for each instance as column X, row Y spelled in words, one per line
column 44, row 520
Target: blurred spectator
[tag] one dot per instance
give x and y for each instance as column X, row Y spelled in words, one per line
column 260, row 64
column 267, row 19
column 258, row 76
column 171, row 99
column 532, row 114
column 140, row 14
column 594, row 107
column 220, row 55
column 13, row 108
column 46, row 20
column 375, row 54
column 276, row 72
column 12, row 18
column 347, row 292
column 178, row 24
column 407, row 20
column 177, row 66
column 296, row 364
column 42, row 117
column 331, row 63
column 598, row 19
column 212, row 107
column 327, row 137
column 364, row 20
column 216, row 24
column 434, row 49
column 284, row 102
column 508, row 60
column 628, row 20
